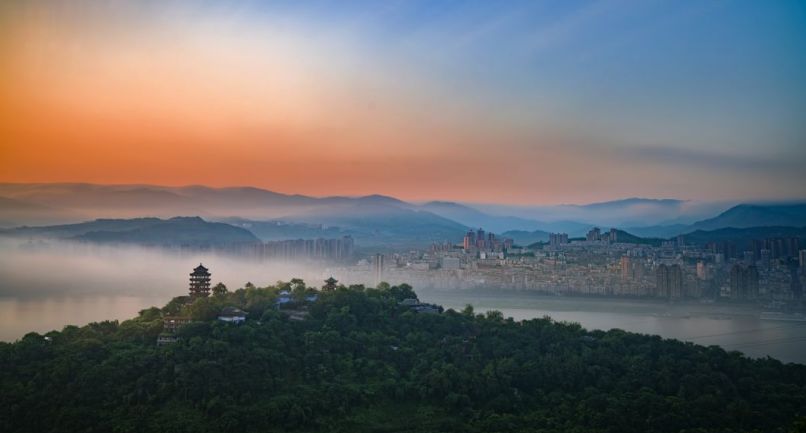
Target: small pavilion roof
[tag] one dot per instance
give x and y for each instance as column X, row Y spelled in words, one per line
column 230, row 311
column 200, row 270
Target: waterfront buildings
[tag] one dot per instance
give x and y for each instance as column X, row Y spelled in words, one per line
column 605, row 265
column 669, row 281
column 743, row 281
column 327, row 249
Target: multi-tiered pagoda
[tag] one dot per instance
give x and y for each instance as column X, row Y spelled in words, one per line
column 200, row 282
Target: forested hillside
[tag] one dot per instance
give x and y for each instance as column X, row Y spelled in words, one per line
column 361, row 361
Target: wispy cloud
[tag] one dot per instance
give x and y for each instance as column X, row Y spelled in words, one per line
column 716, row 160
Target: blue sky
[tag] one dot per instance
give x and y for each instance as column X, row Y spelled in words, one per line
column 688, row 99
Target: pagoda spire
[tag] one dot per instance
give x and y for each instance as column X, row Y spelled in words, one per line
column 200, row 282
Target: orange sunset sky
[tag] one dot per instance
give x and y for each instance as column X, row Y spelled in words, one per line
column 432, row 105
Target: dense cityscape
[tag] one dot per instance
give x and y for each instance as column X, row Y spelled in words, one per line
column 601, row 265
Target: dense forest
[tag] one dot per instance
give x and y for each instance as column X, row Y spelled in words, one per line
column 359, row 360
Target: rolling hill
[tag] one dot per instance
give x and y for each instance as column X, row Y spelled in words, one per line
column 739, row 216
column 756, row 215
column 142, row 231
column 373, row 220
column 742, row 237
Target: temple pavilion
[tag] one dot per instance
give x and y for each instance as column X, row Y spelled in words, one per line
column 330, row 284
column 200, row 282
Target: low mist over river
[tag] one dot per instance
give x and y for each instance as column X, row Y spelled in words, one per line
column 47, row 286
column 35, row 269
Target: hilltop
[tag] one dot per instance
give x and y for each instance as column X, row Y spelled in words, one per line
column 737, row 217
column 360, row 359
column 743, row 237
column 756, row 215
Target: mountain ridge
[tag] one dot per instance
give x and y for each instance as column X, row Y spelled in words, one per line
column 143, row 231
column 54, row 203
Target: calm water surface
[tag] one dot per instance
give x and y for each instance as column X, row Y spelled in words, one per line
column 19, row 316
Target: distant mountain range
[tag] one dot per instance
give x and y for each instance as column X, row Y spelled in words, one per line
column 142, row 231
column 631, row 212
column 15, row 212
column 739, row 216
column 376, row 220
column 475, row 218
column 194, row 231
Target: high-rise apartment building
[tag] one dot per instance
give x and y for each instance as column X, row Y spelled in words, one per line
column 469, row 242
column 378, row 267
column 743, row 282
column 556, row 239
column 626, row 268
column 594, row 234
column 669, row 281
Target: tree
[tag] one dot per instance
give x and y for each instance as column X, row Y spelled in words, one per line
column 468, row 311
column 174, row 307
column 219, row 289
column 150, row 314
column 495, row 316
column 402, row 291
column 202, row 309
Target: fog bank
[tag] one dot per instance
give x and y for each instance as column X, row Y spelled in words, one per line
column 29, row 270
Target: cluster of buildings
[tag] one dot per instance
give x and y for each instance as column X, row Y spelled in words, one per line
column 556, row 239
column 668, row 281
column 600, row 265
column 762, row 250
column 324, row 249
column 319, row 249
column 744, row 280
column 596, row 234
column 478, row 240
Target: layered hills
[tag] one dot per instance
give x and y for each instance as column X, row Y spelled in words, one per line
column 374, row 220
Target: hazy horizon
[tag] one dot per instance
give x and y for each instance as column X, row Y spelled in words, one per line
column 604, row 200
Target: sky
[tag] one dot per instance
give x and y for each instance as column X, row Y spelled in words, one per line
column 532, row 102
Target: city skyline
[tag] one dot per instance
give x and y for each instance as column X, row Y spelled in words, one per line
column 528, row 103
